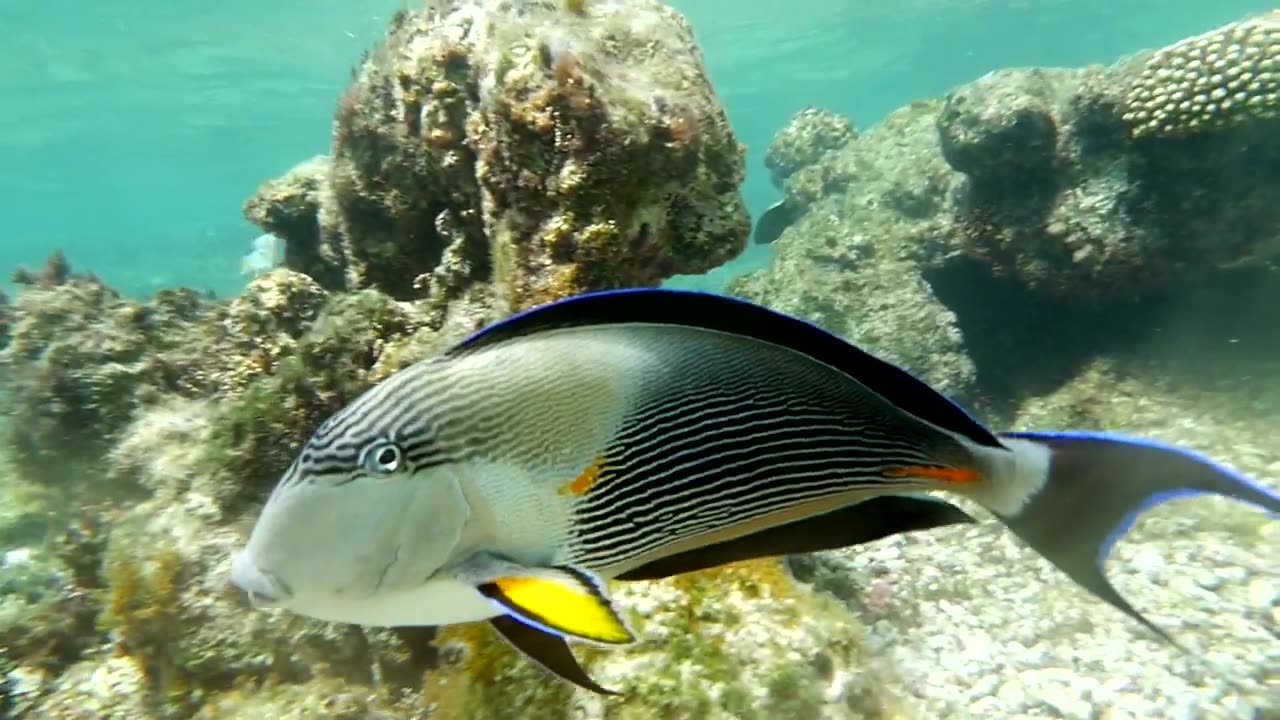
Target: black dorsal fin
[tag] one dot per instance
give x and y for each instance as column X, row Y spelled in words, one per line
column 730, row 315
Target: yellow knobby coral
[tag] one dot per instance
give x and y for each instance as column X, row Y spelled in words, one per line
column 1223, row 78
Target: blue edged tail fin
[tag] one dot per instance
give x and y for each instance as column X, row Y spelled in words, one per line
column 1096, row 487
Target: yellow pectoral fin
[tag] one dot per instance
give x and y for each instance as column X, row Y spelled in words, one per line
column 564, row 601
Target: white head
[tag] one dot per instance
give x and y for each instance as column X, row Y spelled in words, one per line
column 369, row 509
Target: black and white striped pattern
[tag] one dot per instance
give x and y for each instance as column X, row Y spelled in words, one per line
column 733, row 430
column 538, row 405
column 391, row 411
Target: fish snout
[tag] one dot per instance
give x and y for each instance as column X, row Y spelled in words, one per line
column 263, row 588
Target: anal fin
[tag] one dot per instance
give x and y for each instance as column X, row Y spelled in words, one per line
column 550, row 651
column 862, row 522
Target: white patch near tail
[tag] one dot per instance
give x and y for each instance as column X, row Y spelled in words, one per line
column 1010, row 478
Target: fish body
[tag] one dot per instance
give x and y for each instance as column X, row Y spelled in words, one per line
column 267, row 254
column 773, row 222
column 639, row 434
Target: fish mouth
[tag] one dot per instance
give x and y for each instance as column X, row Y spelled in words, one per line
column 264, row 588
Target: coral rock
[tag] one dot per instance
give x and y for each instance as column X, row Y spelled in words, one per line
column 882, row 304
column 851, row 263
column 289, row 207
column 742, row 641
column 1001, row 124
column 6, row 320
column 80, row 360
column 527, row 147
column 809, row 135
column 1089, row 213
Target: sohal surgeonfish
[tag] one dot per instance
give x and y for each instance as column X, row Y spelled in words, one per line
column 645, row 433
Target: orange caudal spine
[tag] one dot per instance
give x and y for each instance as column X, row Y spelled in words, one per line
column 945, row 474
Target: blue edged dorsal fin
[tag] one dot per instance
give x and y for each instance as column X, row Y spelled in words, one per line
column 730, row 315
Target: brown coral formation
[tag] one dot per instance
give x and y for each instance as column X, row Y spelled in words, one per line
column 536, row 154
column 1226, row 77
column 289, row 207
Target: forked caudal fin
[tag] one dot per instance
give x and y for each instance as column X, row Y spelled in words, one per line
column 1096, row 487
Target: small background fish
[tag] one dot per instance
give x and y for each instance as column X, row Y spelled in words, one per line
column 267, row 254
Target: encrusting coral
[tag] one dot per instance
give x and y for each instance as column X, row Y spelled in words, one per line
column 809, row 135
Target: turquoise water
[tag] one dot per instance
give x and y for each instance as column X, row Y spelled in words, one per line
column 131, row 132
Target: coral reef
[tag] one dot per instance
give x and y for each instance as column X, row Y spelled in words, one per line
column 494, row 155
column 946, row 607
column 875, row 301
column 1057, row 194
column 79, row 362
column 540, row 152
column 1226, row 77
column 211, row 400
column 743, row 641
column 1023, row 195
column 850, row 262
column 6, row 319
column 1090, row 274
column 289, row 207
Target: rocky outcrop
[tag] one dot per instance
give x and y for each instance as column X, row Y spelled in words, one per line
column 1031, row 194
column 532, row 150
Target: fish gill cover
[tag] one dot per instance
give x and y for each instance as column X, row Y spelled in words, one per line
column 1018, row 243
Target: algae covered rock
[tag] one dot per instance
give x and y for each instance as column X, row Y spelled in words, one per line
column 83, row 361
column 1025, row 195
column 1059, row 194
column 79, row 362
column 6, row 319
column 851, row 263
column 834, row 278
column 1001, row 126
column 489, row 156
column 809, row 135
column 289, row 207
column 543, row 149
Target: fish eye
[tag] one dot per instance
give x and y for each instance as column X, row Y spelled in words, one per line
column 382, row 457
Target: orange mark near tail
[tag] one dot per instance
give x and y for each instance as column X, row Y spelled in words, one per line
column 586, row 480
column 946, row 475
